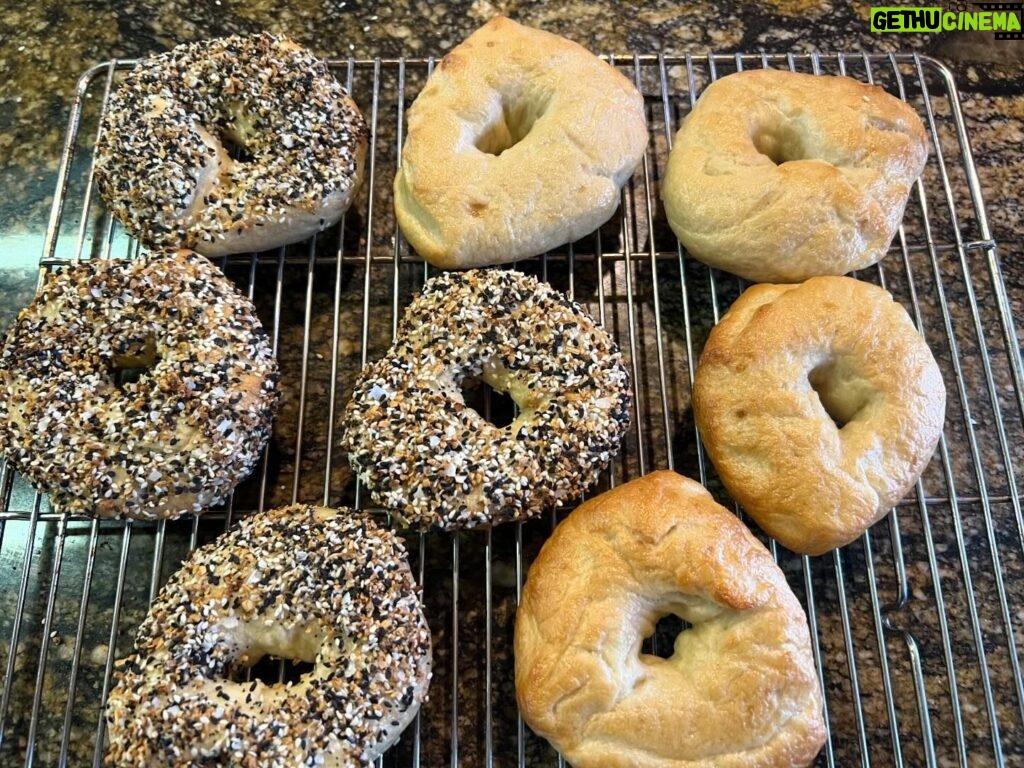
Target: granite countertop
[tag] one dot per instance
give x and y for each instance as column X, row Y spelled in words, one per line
column 968, row 539
column 38, row 73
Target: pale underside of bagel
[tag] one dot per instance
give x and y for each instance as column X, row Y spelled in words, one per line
column 520, row 142
column 740, row 688
column 216, row 232
column 777, row 177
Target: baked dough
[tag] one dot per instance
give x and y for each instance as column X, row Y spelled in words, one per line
column 778, row 176
column 162, row 161
column 431, row 459
column 740, row 689
column 820, row 405
column 519, row 142
column 143, row 389
column 325, row 586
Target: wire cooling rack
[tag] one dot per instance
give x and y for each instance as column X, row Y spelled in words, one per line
column 916, row 627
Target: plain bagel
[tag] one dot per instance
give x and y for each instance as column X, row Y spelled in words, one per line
column 740, row 689
column 778, row 176
column 519, row 142
column 820, row 405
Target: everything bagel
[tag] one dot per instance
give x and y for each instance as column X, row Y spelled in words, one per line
column 431, row 459
column 324, row 586
column 142, row 388
column 162, row 160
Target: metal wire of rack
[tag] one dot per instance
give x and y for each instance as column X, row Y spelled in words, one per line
column 916, row 627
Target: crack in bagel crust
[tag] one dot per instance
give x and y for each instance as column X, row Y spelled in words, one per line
column 819, row 405
column 175, row 440
column 162, row 167
column 327, row 586
column 432, row 460
column 739, row 690
column 519, row 142
column 778, row 176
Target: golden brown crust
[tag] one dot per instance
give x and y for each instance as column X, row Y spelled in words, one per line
column 779, row 176
column 779, row 358
column 741, row 689
column 465, row 198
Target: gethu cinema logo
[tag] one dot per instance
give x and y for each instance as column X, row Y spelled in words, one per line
column 1002, row 18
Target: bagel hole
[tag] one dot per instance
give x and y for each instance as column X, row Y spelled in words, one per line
column 236, row 124
column 270, row 670
column 136, row 359
column 780, row 146
column 841, row 400
column 494, row 407
column 662, row 641
column 513, row 124
column 236, row 150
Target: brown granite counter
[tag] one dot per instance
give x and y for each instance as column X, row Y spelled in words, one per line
column 918, row 627
column 49, row 44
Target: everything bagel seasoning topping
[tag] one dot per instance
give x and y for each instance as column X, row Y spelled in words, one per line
column 324, row 586
column 162, row 155
column 143, row 389
column 431, row 459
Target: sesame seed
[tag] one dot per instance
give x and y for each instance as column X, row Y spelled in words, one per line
column 177, row 438
column 433, row 460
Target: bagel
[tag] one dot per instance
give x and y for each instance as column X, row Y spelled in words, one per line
column 819, row 405
column 779, row 176
column 741, row 687
column 162, row 161
column 431, row 459
column 519, row 142
column 324, row 586
column 141, row 389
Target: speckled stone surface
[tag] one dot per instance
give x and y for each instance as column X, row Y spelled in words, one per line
column 919, row 626
column 47, row 45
